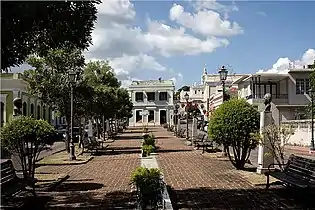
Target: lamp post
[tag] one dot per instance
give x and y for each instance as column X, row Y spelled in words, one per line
column 223, row 74
column 186, row 96
column 311, row 91
column 175, row 118
column 72, row 80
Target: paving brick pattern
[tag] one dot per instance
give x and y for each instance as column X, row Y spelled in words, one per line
column 199, row 182
column 102, row 183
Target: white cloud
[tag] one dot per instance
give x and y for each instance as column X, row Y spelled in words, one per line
column 214, row 5
column 283, row 64
column 130, row 49
column 205, row 22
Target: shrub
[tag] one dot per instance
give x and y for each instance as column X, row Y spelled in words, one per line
column 147, row 150
column 233, row 124
column 275, row 138
column 149, row 140
column 149, row 186
column 27, row 137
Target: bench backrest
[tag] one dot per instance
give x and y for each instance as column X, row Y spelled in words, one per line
column 201, row 136
column 7, row 173
column 301, row 167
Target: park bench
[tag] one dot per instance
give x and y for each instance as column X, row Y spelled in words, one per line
column 198, row 141
column 181, row 133
column 203, row 141
column 298, row 172
column 11, row 184
column 112, row 135
column 91, row 144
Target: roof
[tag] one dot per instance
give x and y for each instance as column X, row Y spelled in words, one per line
column 152, row 83
column 300, row 70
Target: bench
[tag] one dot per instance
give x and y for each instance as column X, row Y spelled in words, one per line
column 198, row 142
column 298, row 172
column 11, row 184
column 203, row 141
column 181, row 133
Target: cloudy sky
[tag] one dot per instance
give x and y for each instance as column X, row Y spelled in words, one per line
column 174, row 40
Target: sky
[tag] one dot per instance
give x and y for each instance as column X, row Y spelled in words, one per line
column 175, row 39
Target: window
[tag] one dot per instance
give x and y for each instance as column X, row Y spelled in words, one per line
column 151, row 96
column 302, row 86
column 138, row 116
column 202, row 92
column 195, row 91
column 139, row 96
column 163, row 96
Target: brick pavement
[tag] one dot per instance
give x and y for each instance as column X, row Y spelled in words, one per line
column 102, row 183
column 199, row 182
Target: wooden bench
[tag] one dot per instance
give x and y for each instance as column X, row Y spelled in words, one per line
column 181, row 133
column 298, row 172
column 204, row 142
column 198, row 142
column 11, row 184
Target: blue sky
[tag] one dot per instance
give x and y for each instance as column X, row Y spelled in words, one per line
column 174, row 39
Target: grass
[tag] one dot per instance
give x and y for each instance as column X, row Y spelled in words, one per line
column 255, row 178
column 62, row 158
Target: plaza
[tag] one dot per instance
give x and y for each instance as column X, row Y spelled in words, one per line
column 194, row 180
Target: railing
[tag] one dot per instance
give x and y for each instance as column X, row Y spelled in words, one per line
column 273, row 96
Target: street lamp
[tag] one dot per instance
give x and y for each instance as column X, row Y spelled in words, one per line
column 311, row 91
column 223, row 74
column 176, row 118
column 186, row 96
column 72, row 80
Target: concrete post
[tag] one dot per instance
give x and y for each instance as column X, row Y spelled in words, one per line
column 194, row 130
column 265, row 157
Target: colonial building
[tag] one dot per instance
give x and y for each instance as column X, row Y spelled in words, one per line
column 289, row 92
column 14, row 85
column 152, row 102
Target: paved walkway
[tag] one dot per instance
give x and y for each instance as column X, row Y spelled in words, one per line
column 102, row 183
column 199, row 182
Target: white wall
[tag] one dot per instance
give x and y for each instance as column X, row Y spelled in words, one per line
column 302, row 132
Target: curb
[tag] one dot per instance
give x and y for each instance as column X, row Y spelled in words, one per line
column 62, row 164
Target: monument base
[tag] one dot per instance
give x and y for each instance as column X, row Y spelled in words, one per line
column 261, row 170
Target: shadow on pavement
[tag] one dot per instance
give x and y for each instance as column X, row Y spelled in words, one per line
column 81, row 200
column 206, row 198
column 174, row 150
column 75, row 186
column 128, row 137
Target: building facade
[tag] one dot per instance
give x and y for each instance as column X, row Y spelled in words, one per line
column 13, row 85
column 153, row 102
column 289, row 91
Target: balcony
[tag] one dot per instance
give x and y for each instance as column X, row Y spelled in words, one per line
column 275, row 98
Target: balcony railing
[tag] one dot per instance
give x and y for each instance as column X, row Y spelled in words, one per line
column 273, row 96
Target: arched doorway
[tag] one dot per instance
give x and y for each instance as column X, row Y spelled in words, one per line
column 32, row 110
column 2, row 114
column 38, row 112
column 24, row 109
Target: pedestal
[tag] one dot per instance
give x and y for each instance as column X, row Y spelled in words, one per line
column 194, row 130
column 265, row 157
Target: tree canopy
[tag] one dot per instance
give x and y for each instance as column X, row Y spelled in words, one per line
column 233, row 124
column 36, row 27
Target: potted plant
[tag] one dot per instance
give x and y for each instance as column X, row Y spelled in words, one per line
column 148, row 145
column 150, row 187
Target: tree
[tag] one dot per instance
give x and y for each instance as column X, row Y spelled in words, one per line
column 312, row 81
column 275, row 138
column 37, row 27
column 233, row 124
column 27, row 138
column 49, row 81
column 124, row 104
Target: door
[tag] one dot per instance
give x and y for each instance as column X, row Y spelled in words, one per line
column 162, row 117
column 151, row 116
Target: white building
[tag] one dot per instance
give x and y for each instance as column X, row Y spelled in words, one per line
column 289, row 92
column 152, row 102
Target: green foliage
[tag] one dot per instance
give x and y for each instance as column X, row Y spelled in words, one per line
column 37, row 27
column 147, row 149
column 233, row 124
column 149, row 140
column 27, row 134
column 149, row 184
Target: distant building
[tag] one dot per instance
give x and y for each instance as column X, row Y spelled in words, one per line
column 152, row 102
column 14, row 85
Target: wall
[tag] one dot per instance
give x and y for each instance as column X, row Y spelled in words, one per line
column 302, row 132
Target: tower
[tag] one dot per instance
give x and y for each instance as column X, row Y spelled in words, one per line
column 204, row 74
